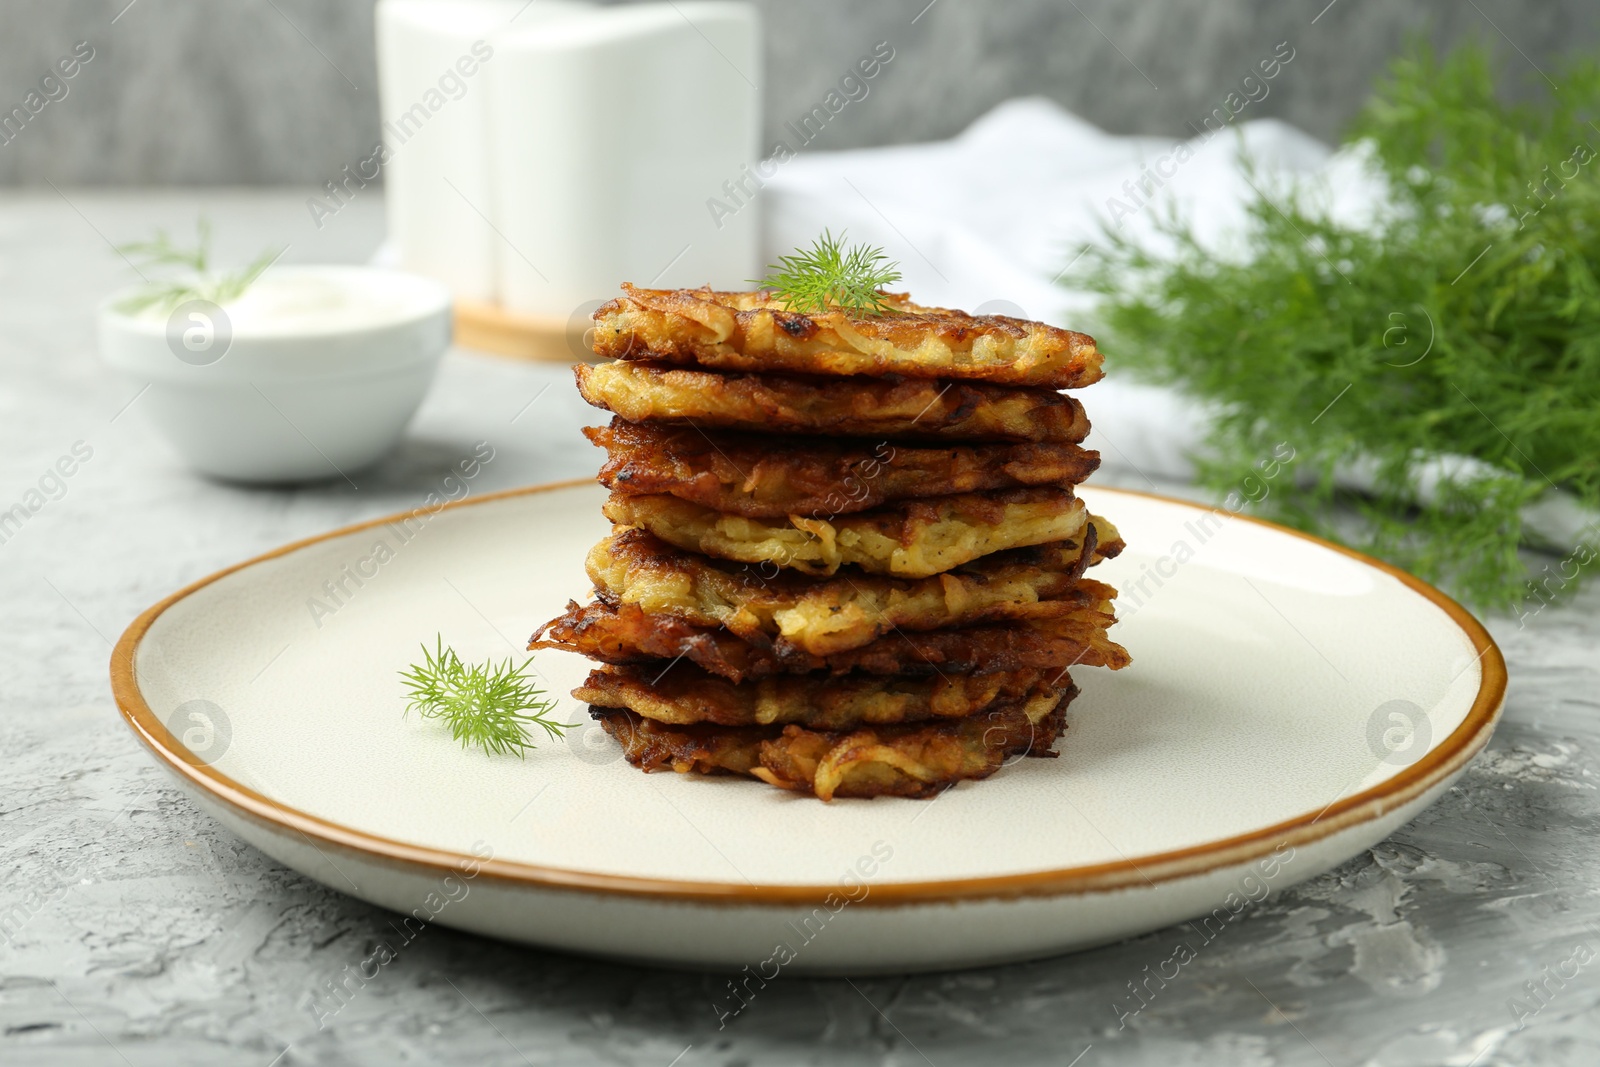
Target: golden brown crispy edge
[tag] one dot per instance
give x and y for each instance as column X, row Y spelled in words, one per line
column 766, row 606
column 772, row 476
column 623, row 634
column 751, row 331
column 916, row 761
column 910, row 408
column 683, row 694
column 909, row 538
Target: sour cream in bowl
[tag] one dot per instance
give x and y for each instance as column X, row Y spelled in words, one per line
column 311, row 373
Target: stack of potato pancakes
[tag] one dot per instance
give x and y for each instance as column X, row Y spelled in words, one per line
column 846, row 557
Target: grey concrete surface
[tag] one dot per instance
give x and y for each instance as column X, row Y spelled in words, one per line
column 273, row 91
column 138, row 932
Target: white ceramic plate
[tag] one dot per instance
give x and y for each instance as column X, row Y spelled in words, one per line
column 1289, row 704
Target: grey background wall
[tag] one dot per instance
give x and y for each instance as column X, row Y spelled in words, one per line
column 284, row 91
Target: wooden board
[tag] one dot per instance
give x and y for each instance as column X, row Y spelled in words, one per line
column 491, row 328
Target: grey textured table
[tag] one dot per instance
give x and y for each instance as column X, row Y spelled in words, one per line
column 134, row 930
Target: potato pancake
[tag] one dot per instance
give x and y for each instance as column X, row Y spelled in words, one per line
column 860, row 407
column 751, row 331
column 913, row 760
column 681, row 694
column 908, row 539
column 763, row 476
column 766, row 605
column 624, row 634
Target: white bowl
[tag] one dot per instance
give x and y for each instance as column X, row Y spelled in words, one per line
column 314, row 372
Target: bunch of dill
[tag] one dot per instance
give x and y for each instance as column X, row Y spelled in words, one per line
column 1467, row 325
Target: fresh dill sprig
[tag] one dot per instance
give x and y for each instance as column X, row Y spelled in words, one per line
column 487, row 705
column 196, row 280
column 1464, row 325
column 829, row 277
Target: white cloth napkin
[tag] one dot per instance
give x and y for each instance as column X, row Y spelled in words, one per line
column 987, row 221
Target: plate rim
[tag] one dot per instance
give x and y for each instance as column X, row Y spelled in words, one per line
column 1436, row 767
